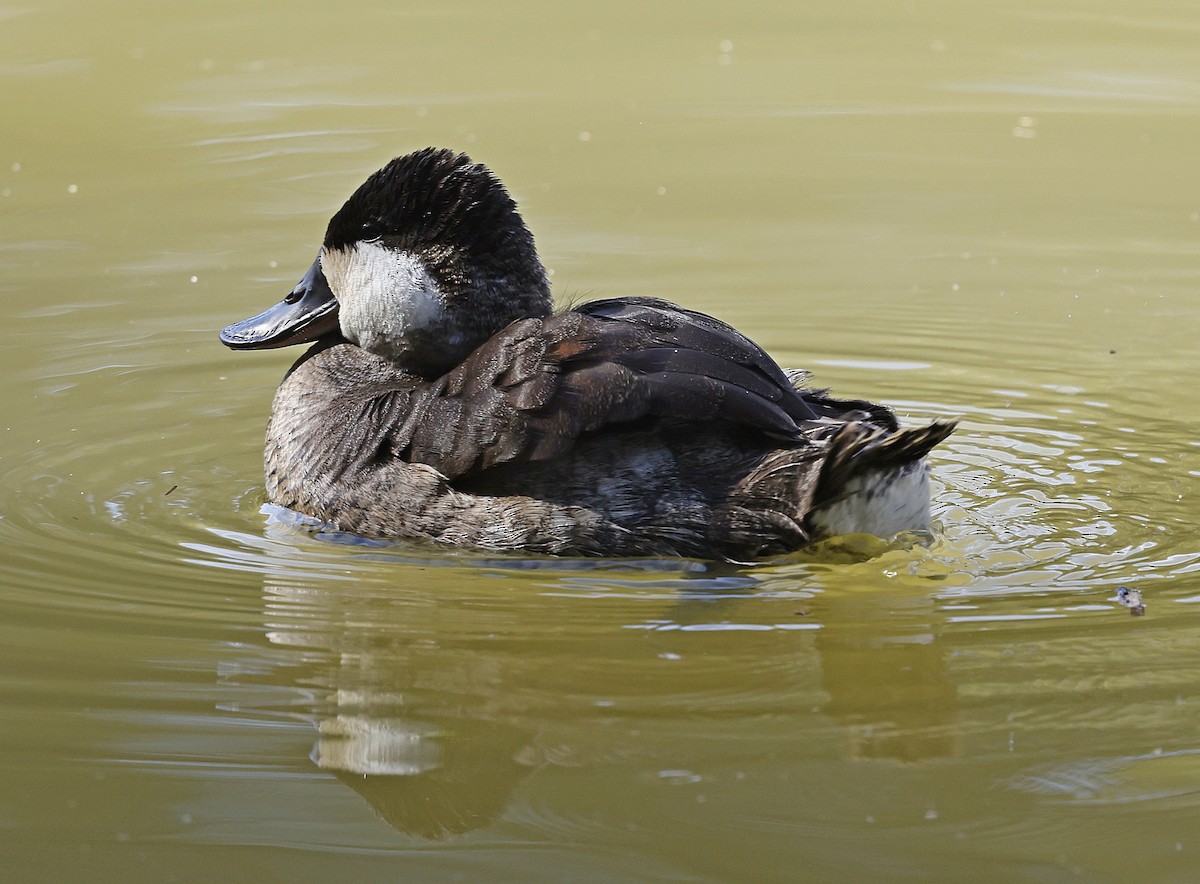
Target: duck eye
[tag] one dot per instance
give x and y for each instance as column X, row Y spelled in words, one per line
column 371, row 231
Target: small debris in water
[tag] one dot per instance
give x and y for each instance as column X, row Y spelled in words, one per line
column 1132, row 599
column 169, row 490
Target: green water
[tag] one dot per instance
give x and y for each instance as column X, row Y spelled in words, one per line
column 968, row 210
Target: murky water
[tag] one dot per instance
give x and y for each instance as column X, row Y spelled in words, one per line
column 961, row 209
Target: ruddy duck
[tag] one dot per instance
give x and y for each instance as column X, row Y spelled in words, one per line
column 444, row 400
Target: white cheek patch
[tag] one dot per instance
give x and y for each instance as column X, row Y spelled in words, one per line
column 383, row 295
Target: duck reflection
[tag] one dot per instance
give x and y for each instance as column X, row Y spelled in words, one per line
column 433, row 695
column 418, row 776
column 413, row 727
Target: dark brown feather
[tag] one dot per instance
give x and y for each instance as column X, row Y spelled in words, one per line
column 533, row 389
column 621, row 427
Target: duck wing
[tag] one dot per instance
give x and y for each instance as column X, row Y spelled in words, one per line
column 534, row 388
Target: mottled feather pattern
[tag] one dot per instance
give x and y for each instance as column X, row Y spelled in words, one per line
column 524, row 399
column 627, row 426
column 526, row 396
column 858, row 448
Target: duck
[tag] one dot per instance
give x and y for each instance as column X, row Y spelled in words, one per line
column 444, row 400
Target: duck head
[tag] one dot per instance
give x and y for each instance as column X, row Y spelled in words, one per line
column 426, row 261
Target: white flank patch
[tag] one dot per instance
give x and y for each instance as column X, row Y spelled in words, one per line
column 881, row 502
column 383, row 295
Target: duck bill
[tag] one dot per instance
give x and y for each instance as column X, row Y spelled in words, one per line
column 308, row 313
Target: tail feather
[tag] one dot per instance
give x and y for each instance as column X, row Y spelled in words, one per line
column 859, row 448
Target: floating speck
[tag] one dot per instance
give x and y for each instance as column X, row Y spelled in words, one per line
column 195, row 279
column 585, row 136
column 72, row 188
column 1131, row 599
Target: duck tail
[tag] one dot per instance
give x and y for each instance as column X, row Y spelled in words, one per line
column 874, row 481
column 860, row 447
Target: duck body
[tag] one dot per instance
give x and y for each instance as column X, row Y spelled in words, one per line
column 443, row 400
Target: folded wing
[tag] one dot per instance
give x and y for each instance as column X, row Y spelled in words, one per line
column 534, row 388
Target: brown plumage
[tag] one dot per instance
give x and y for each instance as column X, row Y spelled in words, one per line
column 628, row 426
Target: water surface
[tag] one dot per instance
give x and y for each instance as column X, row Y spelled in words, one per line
column 959, row 209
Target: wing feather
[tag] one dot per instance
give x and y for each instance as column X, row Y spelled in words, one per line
column 533, row 389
